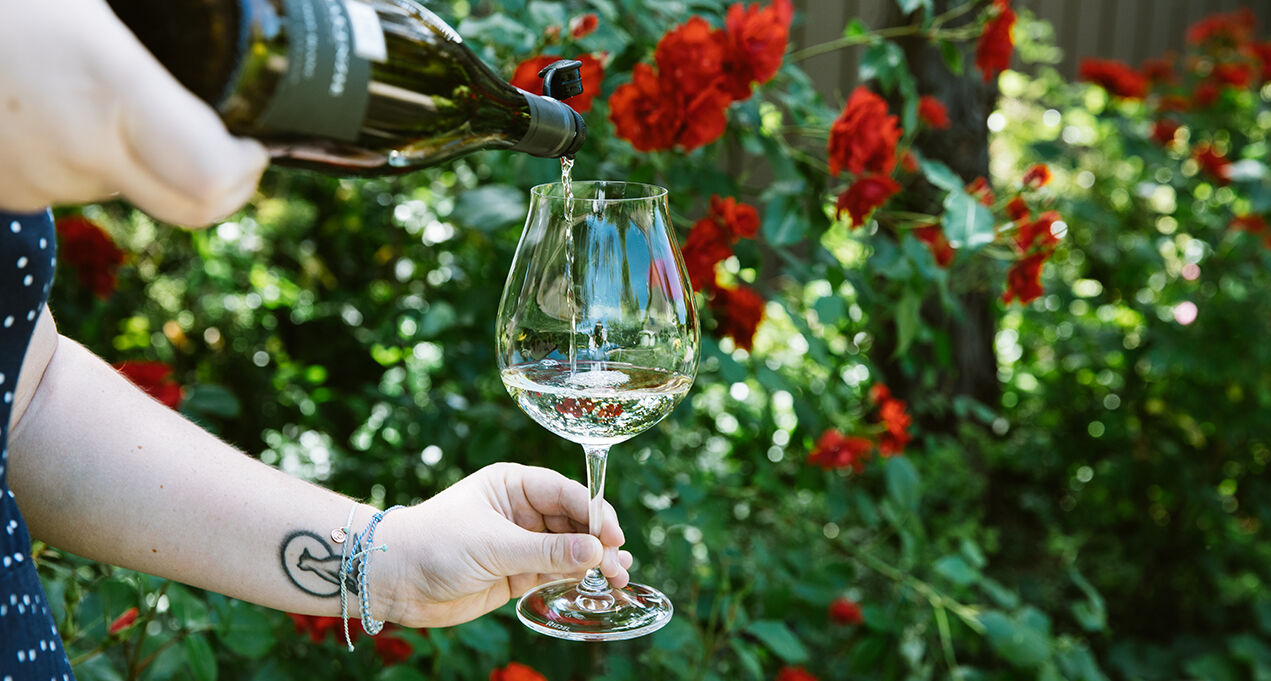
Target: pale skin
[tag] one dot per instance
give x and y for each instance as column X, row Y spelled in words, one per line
column 100, row 469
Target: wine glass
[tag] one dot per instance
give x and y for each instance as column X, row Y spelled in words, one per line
column 597, row 341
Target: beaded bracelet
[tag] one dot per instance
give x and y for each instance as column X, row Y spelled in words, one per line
column 360, row 555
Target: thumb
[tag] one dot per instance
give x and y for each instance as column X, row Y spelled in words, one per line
column 528, row 552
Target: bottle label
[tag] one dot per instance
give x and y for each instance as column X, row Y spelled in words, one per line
column 326, row 86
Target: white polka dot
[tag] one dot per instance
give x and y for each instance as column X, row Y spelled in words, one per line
column 22, row 262
column 31, row 654
column 28, row 280
column 26, row 598
column 7, row 561
column 15, row 226
column 1, row 378
column 44, row 645
column 21, row 653
column 18, row 557
column 4, row 610
column 30, row 316
column 21, row 609
column 8, row 398
column 8, row 321
column 44, row 243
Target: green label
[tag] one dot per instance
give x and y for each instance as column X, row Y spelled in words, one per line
column 325, row 88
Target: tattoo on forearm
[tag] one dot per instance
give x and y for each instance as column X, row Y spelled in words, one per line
column 313, row 564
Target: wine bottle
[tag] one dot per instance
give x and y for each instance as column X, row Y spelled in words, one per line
column 347, row 86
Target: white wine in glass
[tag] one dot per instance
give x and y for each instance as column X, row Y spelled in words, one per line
column 597, row 342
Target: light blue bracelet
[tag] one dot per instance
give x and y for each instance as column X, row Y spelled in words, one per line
column 358, row 549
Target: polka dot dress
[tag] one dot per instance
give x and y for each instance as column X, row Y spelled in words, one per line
column 30, row 649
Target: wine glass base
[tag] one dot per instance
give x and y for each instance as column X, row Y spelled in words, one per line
column 556, row 609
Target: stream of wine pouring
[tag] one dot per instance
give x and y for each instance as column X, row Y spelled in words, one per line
column 567, row 183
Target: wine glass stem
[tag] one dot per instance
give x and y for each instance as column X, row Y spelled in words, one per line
column 595, row 584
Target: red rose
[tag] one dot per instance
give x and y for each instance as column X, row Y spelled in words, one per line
column 705, row 118
column 1115, row 77
column 896, row 420
column 584, row 25
column 90, row 250
column 909, row 162
column 1159, row 71
column 1173, row 103
column 933, row 236
column 1205, row 95
column 863, row 138
column 1017, row 209
column 645, row 112
column 593, row 74
column 1230, row 29
column 515, row 671
column 836, row 450
column 1262, row 53
column 1037, row 233
column 1037, row 176
column 995, row 47
column 741, row 220
column 1023, row 280
column 933, row 112
column 1253, row 224
column 1213, row 163
column 392, row 649
column 1235, row 75
column 865, row 195
column 979, row 189
column 846, row 611
column 738, row 312
column 708, row 243
column 879, row 393
column 155, row 378
column 122, row 622
column 1164, row 131
column 794, row 674
column 692, row 55
column 317, row 628
column 756, row 40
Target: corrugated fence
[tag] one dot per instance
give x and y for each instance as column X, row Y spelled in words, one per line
column 1129, row 30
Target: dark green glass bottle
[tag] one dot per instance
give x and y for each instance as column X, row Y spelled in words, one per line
column 347, row 86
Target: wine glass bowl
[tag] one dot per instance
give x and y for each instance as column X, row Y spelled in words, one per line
column 597, row 341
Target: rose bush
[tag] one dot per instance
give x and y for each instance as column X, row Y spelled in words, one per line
column 837, row 498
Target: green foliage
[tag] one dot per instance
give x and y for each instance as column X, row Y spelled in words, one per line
column 1106, row 519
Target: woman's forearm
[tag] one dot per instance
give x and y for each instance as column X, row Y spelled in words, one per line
column 100, row 469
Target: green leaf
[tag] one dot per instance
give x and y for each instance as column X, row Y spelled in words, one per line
column 1091, row 613
column 401, row 672
column 855, row 28
column 830, row 310
column 1018, row 643
column 544, row 14
column 211, row 400
column 1213, row 667
column 971, row 551
column 1078, row 664
column 903, row 484
column 186, row 608
column 783, row 222
column 484, row 635
column 884, row 61
column 1262, row 613
column 199, row 656
column 967, row 223
column 939, row 174
column 748, row 659
column 907, row 321
column 1001, row 595
column 247, row 631
column 491, row 207
column 955, row 569
column 779, row 639
column 952, row 56
column 910, row 6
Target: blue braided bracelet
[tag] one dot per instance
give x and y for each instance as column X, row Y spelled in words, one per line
column 361, row 551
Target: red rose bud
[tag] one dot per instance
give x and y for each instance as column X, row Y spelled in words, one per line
column 864, row 196
column 1165, row 131
column 515, row 671
column 933, row 112
column 795, row 674
column 122, row 622
column 1023, row 280
column 738, row 312
column 836, row 450
column 933, row 236
column 708, row 243
column 1017, row 209
column 584, row 25
column 980, row 190
column 1037, row 176
column 741, row 220
column 843, row 610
